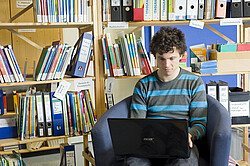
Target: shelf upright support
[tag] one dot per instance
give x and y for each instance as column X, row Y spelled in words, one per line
column 99, row 61
column 218, row 33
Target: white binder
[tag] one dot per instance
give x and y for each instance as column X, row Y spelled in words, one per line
column 192, row 9
column 180, row 9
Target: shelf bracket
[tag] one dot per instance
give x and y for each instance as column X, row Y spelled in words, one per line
column 20, row 13
column 136, row 29
column 218, row 33
column 26, row 39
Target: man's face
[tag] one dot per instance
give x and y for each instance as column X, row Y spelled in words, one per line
column 168, row 63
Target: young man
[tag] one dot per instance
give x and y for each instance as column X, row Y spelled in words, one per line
column 171, row 93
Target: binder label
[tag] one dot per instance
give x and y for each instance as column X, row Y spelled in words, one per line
column 57, row 106
column 8, row 122
column 115, row 3
column 230, row 21
column 84, row 50
column 196, row 24
column 239, row 108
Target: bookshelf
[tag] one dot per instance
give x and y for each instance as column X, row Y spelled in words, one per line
column 47, row 32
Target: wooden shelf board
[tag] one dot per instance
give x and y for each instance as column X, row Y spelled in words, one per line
column 9, row 114
column 28, row 151
column 185, row 22
column 29, row 25
column 29, row 81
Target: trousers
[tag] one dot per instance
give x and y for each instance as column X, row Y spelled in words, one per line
column 191, row 161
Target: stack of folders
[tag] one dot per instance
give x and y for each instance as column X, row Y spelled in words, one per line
column 148, row 10
column 206, row 67
column 53, row 62
column 62, row 11
column 219, row 91
column 55, row 142
column 9, row 148
column 125, row 57
column 9, row 68
column 34, row 145
column 41, row 114
column 11, row 160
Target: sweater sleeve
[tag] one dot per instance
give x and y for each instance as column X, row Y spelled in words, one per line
column 198, row 111
column 138, row 108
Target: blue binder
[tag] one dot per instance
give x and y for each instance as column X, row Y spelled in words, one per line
column 57, row 115
column 1, row 102
column 81, row 54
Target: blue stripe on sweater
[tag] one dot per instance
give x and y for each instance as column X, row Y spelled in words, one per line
column 138, row 107
column 203, row 119
column 169, row 92
column 169, row 108
column 139, row 92
column 199, row 88
column 148, row 79
column 198, row 104
column 188, row 77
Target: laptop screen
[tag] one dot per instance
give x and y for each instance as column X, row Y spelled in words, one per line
column 151, row 138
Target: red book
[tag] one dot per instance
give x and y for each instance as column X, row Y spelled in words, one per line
column 243, row 47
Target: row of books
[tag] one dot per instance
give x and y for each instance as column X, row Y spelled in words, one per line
column 125, row 57
column 60, row 59
column 9, row 68
column 139, row 10
column 229, row 47
column 12, row 160
column 62, row 10
column 74, row 115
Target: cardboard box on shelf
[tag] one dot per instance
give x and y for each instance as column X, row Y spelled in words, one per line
column 231, row 62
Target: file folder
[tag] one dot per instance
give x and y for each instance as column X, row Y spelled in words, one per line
column 246, row 10
column 221, row 8
column 236, row 9
column 47, row 112
column 127, row 10
column 211, row 89
column 222, row 93
column 116, row 10
column 201, row 8
column 40, row 114
column 192, row 9
column 57, row 115
column 138, row 12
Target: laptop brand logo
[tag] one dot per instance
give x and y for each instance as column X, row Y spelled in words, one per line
column 148, row 139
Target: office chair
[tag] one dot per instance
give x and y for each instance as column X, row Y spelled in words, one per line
column 214, row 148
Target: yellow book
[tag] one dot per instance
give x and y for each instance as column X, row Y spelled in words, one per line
column 15, row 102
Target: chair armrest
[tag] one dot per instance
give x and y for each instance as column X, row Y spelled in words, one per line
column 218, row 133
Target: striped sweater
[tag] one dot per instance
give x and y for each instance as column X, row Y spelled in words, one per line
column 182, row 98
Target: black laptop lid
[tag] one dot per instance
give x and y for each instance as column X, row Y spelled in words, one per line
column 151, row 138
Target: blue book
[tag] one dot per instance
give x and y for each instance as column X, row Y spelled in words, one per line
column 208, row 71
column 57, row 115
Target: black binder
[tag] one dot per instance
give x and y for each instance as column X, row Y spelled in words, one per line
column 40, row 114
column 47, row 113
column 246, row 8
column 116, row 10
column 127, row 10
column 211, row 89
column 236, row 9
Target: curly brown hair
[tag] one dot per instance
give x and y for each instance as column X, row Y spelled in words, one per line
column 165, row 39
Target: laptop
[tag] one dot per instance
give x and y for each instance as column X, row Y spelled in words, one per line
column 150, row 138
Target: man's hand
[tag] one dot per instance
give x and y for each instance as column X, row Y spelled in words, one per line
column 189, row 140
